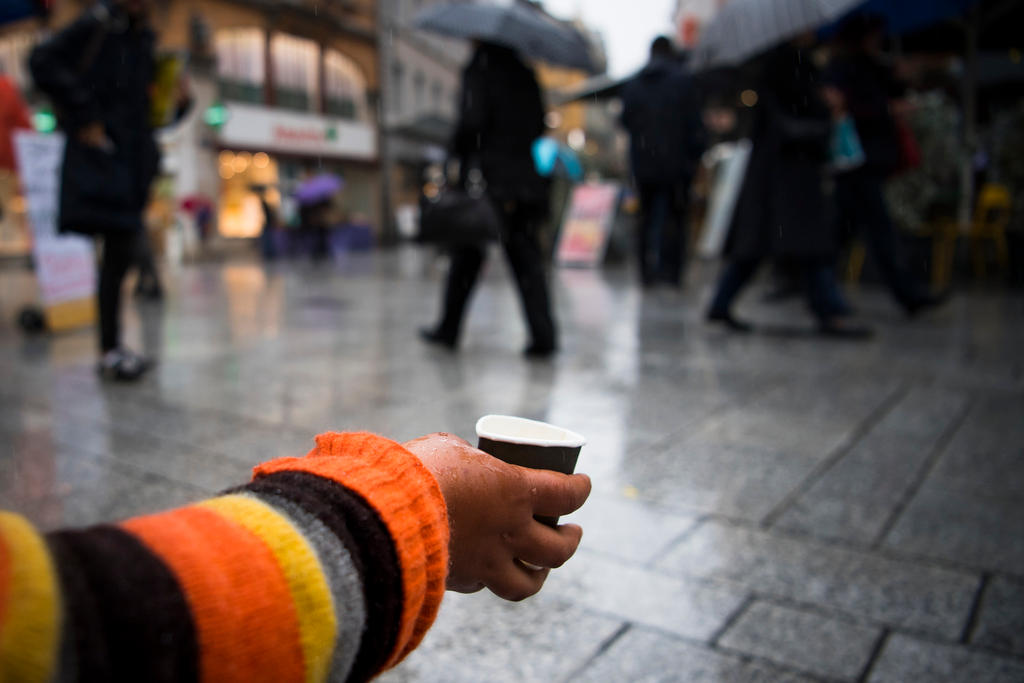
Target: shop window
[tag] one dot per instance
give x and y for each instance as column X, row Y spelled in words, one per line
column 418, row 84
column 397, row 87
column 296, row 67
column 245, row 179
column 344, row 87
column 240, row 64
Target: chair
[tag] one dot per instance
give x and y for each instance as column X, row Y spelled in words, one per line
column 991, row 216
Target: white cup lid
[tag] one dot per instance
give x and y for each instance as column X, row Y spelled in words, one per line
column 521, row 430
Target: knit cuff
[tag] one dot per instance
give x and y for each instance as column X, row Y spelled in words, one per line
column 407, row 498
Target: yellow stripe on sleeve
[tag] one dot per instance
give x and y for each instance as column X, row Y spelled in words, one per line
column 30, row 632
column 302, row 570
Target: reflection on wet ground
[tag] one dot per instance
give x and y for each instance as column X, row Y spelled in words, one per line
column 764, row 508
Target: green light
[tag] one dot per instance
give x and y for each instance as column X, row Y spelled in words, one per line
column 44, row 121
column 216, row 115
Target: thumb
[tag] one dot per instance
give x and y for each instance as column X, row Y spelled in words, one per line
column 555, row 494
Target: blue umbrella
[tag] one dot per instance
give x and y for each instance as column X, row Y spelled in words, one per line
column 907, row 16
column 318, row 188
column 13, row 10
column 551, row 157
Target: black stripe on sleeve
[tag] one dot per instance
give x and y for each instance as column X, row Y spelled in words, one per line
column 373, row 551
column 124, row 609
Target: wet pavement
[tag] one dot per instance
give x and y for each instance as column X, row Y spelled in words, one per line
column 765, row 508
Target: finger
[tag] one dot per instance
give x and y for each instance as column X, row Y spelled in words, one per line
column 516, row 582
column 548, row 547
column 557, row 494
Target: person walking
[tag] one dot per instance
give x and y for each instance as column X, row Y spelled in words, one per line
column 862, row 86
column 98, row 72
column 781, row 212
column 500, row 116
column 661, row 111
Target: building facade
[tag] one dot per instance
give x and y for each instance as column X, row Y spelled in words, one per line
column 281, row 91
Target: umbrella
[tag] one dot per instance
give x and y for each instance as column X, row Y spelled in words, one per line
column 745, row 28
column 551, row 157
column 13, row 10
column 318, row 188
column 516, row 25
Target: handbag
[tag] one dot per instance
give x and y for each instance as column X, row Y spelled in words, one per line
column 845, row 149
column 458, row 217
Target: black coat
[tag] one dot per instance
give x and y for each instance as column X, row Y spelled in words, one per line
column 867, row 86
column 500, row 116
column 661, row 111
column 99, row 68
column 782, row 211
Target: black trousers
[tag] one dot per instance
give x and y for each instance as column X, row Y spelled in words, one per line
column 521, row 242
column 119, row 253
column 863, row 212
column 819, row 282
column 662, row 234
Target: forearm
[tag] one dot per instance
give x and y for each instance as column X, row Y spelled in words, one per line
column 329, row 565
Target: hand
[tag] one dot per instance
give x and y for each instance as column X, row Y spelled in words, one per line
column 834, row 99
column 94, row 135
column 495, row 541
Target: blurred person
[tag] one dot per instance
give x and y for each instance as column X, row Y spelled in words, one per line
column 327, row 567
column 270, row 223
column 98, row 72
column 500, row 116
column 661, row 111
column 861, row 85
column 781, row 213
column 13, row 117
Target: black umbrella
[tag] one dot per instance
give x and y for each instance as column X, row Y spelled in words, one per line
column 517, row 25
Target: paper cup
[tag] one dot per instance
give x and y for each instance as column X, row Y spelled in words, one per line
column 529, row 443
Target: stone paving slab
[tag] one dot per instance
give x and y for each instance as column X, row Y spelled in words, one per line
column 1000, row 624
column 644, row 655
column 905, row 659
column 974, row 530
column 854, row 500
column 627, row 529
column 482, row 638
column 684, row 606
column 802, row 640
column 903, row 594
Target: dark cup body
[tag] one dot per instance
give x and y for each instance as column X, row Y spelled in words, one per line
column 558, row 458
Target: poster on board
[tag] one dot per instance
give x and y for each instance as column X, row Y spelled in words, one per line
column 587, row 225
column 65, row 264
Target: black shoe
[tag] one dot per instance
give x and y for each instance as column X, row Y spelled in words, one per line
column 926, row 303
column 731, row 323
column 835, row 329
column 437, row 339
column 122, row 365
column 540, row 350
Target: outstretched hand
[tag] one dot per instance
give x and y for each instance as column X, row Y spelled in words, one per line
column 495, row 541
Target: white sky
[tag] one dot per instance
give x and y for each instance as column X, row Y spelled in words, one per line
column 628, row 26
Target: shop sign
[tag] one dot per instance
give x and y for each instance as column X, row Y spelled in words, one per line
column 274, row 130
column 65, row 264
column 587, row 224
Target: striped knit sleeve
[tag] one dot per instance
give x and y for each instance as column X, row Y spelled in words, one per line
column 326, row 567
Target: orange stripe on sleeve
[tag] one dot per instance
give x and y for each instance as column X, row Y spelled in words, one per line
column 245, row 620
column 409, row 501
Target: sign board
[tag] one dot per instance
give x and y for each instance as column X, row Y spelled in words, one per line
column 587, row 224
column 290, row 132
column 65, row 264
column 727, row 182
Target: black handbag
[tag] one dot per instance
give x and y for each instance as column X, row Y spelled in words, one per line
column 458, row 217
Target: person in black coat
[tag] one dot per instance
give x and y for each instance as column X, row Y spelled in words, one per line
column 98, row 72
column 864, row 87
column 500, row 116
column 781, row 212
column 661, row 111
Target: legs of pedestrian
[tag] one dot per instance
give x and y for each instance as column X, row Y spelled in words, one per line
column 463, row 272
column 672, row 255
column 828, row 305
column 522, row 249
column 119, row 251
column 861, row 201
column 148, row 284
column 735, row 276
column 654, row 207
